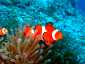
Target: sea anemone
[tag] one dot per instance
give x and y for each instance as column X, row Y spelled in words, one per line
column 19, row 50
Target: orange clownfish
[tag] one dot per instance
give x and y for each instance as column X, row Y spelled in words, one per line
column 48, row 33
column 39, row 30
column 3, row 31
column 50, row 38
column 27, row 31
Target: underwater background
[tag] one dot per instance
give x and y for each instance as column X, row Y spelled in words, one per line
column 81, row 5
column 66, row 15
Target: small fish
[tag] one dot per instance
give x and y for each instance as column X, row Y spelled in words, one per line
column 3, row 31
column 50, row 38
column 48, row 33
column 27, row 31
column 39, row 30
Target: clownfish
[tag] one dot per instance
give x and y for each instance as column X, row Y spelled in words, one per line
column 40, row 30
column 27, row 31
column 50, row 38
column 48, row 33
column 3, row 31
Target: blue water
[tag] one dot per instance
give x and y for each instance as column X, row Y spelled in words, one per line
column 81, row 5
